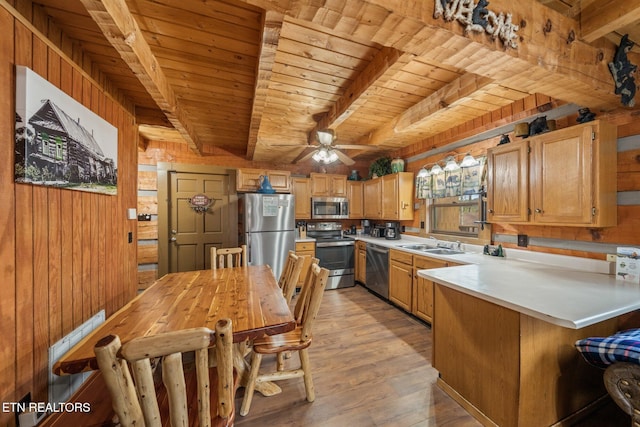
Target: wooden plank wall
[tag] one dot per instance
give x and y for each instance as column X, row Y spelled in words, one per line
column 65, row 254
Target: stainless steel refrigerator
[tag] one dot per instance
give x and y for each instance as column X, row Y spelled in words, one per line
column 267, row 226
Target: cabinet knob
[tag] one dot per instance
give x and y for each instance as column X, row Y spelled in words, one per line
column 490, row 210
column 538, row 210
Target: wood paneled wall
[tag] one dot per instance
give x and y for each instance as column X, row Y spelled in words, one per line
column 65, row 254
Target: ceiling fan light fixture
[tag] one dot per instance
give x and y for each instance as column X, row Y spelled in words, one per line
column 325, row 137
column 332, row 157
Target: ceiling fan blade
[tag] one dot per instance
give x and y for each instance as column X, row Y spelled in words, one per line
column 306, row 157
column 356, row 147
column 344, row 158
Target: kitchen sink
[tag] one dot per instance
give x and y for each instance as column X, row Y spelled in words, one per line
column 417, row 247
column 432, row 250
column 443, row 251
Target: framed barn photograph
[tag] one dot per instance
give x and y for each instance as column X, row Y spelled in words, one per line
column 59, row 142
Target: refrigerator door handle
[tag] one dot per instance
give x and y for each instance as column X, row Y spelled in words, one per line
column 248, row 248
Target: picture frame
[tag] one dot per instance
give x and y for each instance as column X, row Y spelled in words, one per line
column 59, row 142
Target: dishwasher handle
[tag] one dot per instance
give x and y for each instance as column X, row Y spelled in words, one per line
column 379, row 249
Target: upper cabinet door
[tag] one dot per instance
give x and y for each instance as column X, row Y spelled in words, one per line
column 508, row 183
column 561, row 177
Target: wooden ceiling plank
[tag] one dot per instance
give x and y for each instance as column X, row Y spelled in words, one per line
column 119, row 27
column 606, row 16
column 271, row 28
column 441, row 40
column 387, row 62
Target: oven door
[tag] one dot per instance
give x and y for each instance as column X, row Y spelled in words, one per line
column 338, row 258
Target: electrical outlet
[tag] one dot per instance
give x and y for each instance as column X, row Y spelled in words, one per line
column 612, row 257
column 523, row 240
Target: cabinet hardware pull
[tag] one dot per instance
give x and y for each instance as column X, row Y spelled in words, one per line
column 538, row 210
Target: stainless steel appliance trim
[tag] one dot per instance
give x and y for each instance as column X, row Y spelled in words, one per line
column 335, row 243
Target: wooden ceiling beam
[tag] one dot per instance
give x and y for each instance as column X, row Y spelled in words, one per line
column 446, row 98
column 605, row 16
column 271, row 27
column 121, row 30
column 387, row 62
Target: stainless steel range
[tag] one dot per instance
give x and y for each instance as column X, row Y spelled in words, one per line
column 335, row 252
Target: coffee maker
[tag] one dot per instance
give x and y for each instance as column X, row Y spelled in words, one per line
column 366, row 226
column 392, row 231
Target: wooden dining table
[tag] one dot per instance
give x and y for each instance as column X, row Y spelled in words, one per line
column 249, row 296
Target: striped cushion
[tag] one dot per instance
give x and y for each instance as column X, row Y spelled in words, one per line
column 601, row 352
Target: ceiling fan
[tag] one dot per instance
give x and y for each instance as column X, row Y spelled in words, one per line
column 326, row 152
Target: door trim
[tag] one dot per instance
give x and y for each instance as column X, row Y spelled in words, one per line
column 163, row 202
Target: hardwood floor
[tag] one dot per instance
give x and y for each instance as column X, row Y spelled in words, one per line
column 372, row 367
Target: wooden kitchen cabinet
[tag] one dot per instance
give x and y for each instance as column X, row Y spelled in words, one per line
column 397, row 196
column 508, row 182
column 361, row 262
column 422, row 303
column 309, row 249
column 401, row 279
column 355, row 191
column 328, row 185
column 566, row 177
column 248, row 180
column 373, row 199
column 301, row 189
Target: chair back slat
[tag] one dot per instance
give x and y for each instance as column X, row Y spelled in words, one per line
column 228, row 257
column 138, row 405
column 301, row 302
column 291, row 274
column 316, row 292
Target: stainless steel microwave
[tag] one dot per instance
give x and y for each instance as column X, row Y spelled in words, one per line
column 329, row 208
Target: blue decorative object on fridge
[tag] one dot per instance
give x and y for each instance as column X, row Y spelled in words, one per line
column 265, row 185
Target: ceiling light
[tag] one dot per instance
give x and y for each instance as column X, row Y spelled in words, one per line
column 325, row 137
column 423, row 173
column 451, row 165
column 469, row 161
column 436, row 169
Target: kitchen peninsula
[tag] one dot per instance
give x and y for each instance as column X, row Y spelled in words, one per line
column 504, row 334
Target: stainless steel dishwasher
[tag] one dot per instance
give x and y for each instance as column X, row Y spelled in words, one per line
column 378, row 270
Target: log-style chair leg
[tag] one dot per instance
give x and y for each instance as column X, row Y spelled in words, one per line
column 256, row 360
column 308, row 379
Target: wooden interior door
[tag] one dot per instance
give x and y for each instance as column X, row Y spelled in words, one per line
column 192, row 234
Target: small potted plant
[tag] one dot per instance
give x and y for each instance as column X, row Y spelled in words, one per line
column 380, row 167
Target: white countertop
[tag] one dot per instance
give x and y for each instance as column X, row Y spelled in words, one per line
column 563, row 290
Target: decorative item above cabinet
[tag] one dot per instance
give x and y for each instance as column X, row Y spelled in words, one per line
column 566, row 177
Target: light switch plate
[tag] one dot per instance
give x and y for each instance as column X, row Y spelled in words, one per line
column 132, row 214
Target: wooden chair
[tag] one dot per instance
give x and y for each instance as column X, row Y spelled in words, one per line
column 290, row 275
column 297, row 340
column 303, row 296
column 228, row 257
column 148, row 404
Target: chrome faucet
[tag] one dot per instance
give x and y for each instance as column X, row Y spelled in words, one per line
column 458, row 245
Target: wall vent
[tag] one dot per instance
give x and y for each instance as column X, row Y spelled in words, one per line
column 62, row 387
